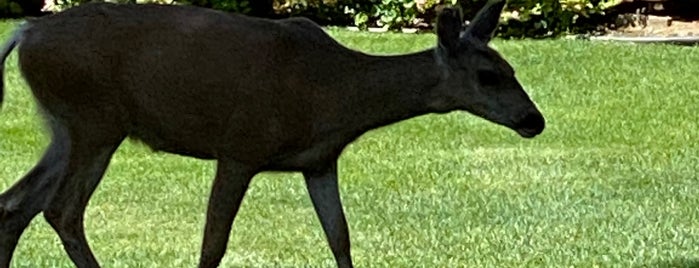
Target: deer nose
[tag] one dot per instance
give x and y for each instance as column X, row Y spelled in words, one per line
column 531, row 124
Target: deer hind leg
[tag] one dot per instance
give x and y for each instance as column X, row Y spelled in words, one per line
column 28, row 197
column 87, row 163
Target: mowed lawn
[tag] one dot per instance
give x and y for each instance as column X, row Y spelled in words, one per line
column 612, row 182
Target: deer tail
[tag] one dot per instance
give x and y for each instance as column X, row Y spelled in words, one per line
column 5, row 51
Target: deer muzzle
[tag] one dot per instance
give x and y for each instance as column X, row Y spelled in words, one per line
column 531, row 125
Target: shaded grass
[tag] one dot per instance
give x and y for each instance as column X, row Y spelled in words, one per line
column 612, row 181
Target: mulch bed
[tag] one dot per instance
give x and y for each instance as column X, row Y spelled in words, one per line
column 656, row 30
column 678, row 25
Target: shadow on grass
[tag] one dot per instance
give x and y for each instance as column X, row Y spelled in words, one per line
column 678, row 263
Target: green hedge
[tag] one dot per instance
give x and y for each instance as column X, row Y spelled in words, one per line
column 10, row 8
column 521, row 18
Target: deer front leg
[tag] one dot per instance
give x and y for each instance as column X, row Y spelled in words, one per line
column 325, row 195
column 231, row 182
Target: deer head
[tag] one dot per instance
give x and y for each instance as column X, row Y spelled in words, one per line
column 475, row 78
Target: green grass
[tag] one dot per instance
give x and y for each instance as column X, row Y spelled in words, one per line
column 612, row 182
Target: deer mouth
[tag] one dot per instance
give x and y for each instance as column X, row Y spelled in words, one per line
column 528, row 132
column 531, row 125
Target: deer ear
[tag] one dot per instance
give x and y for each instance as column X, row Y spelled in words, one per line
column 484, row 24
column 449, row 25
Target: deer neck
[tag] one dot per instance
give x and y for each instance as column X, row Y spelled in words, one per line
column 388, row 89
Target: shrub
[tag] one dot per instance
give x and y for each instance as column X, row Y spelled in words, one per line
column 10, row 8
column 59, row 5
column 238, row 6
column 326, row 12
column 544, row 18
column 521, row 18
column 396, row 14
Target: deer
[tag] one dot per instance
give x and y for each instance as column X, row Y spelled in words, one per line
column 253, row 94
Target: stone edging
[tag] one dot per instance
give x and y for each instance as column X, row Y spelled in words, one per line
column 677, row 40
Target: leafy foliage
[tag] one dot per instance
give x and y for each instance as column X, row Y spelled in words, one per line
column 59, row 5
column 332, row 12
column 395, row 14
column 10, row 8
column 521, row 18
column 239, row 6
column 527, row 18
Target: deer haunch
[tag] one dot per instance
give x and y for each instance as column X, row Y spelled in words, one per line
column 254, row 94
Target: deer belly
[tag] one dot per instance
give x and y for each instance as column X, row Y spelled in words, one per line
column 317, row 154
column 210, row 140
column 181, row 145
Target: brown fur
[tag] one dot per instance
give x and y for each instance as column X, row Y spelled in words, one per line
column 254, row 94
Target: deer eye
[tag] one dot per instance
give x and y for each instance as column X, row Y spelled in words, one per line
column 488, row 78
